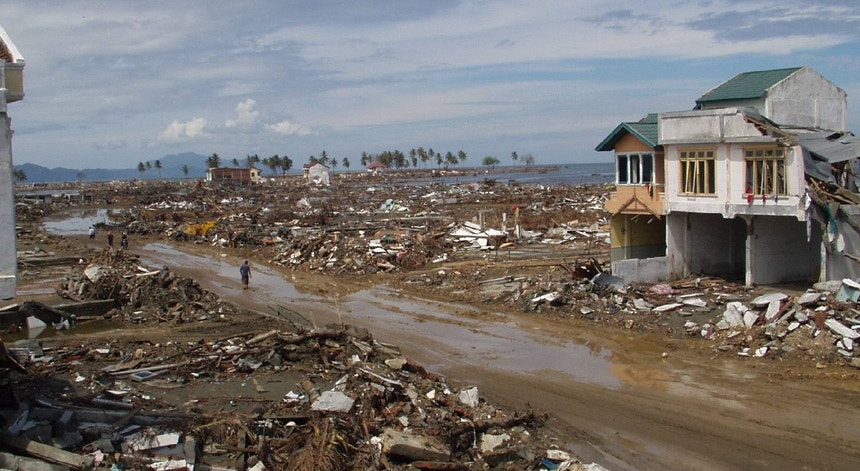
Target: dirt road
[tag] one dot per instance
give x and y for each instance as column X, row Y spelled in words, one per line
column 613, row 396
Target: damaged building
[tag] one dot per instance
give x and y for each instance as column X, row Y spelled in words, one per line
column 755, row 183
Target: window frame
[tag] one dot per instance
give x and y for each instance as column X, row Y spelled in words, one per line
column 765, row 174
column 637, row 168
column 697, row 172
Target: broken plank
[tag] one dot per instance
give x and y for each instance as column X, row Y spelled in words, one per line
column 48, row 453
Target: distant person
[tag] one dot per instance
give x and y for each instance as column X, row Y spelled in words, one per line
column 123, row 241
column 92, row 232
column 245, row 271
column 110, row 238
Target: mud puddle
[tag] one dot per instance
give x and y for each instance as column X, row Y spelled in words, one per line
column 77, row 222
column 448, row 335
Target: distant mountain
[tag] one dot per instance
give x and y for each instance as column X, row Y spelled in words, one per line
column 171, row 169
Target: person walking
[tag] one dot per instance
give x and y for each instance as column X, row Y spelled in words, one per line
column 245, row 271
column 92, row 232
column 123, row 241
column 110, row 238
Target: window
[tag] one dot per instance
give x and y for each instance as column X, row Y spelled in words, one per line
column 765, row 171
column 698, row 172
column 634, row 169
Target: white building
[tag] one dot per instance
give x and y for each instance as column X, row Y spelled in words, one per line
column 11, row 90
column 741, row 186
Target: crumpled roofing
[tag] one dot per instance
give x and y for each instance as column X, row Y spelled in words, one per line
column 831, row 146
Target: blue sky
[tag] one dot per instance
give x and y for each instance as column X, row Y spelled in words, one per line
column 112, row 83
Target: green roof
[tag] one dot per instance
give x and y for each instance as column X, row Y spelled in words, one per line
column 745, row 86
column 645, row 130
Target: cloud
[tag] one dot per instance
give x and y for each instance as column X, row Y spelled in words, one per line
column 246, row 115
column 182, row 132
column 288, row 128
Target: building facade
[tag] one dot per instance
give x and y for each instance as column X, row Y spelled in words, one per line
column 729, row 188
column 11, row 90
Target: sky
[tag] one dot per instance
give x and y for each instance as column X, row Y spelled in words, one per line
column 109, row 84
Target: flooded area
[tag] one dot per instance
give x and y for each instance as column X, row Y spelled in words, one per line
column 78, row 224
column 478, row 342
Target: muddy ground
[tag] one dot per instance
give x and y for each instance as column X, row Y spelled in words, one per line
column 628, row 395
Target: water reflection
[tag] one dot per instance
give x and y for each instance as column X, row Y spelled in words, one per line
column 78, row 223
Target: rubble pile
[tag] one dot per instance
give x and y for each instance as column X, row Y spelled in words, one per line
column 366, row 229
column 822, row 323
column 140, row 294
column 292, row 398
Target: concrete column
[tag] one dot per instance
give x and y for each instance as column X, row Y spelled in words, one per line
column 749, row 271
column 8, row 254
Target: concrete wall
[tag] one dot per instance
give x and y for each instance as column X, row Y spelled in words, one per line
column 318, row 175
column 705, row 244
column 780, row 251
column 642, row 270
column 637, row 237
column 8, row 254
column 728, row 133
column 807, row 99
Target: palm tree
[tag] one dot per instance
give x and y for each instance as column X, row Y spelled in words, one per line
column 450, row 159
column 19, row 175
column 141, row 168
column 185, row 170
column 148, row 165
column 235, row 162
column 273, row 162
column 251, row 160
column 213, row 161
column 286, row 164
column 158, row 166
column 399, row 159
column 323, row 158
column 461, row 156
column 345, row 163
column 422, row 155
column 514, row 157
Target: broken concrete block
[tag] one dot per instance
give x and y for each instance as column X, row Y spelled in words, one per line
column 642, row 305
column 850, row 290
column 333, row 401
column 810, row 297
column 557, row 455
column 734, row 314
column 840, row 329
column 772, row 311
column 766, row 299
column 469, row 396
column 490, row 442
column 695, row 302
column 410, row 447
column 667, row 307
column 750, row 318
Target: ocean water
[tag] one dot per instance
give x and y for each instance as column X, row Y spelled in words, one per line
column 566, row 174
